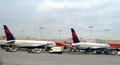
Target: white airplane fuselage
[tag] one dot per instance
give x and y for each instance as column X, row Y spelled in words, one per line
column 83, row 45
column 31, row 43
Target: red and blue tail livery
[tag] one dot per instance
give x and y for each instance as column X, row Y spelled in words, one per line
column 8, row 33
column 74, row 36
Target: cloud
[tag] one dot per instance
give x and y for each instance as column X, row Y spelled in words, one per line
column 61, row 14
column 81, row 4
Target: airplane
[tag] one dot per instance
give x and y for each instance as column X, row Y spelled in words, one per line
column 87, row 46
column 28, row 44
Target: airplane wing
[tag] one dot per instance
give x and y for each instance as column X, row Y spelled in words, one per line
column 65, row 44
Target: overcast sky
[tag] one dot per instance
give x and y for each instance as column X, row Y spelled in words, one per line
column 54, row 15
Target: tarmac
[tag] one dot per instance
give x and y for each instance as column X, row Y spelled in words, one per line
column 24, row 58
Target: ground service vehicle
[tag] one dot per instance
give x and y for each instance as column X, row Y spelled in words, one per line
column 118, row 53
column 58, row 50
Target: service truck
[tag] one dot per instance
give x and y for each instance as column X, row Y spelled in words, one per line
column 118, row 53
column 57, row 49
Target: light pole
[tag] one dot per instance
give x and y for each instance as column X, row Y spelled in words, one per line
column 41, row 32
column 23, row 34
column 90, row 27
column 59, row 33
column 106, row 30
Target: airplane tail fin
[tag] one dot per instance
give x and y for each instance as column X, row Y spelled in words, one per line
column 8, row 33
column 74, row 36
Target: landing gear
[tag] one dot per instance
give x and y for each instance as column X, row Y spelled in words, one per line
column 74, row 49
column 88, row 51
column 3, row 46
column 11, row 49
column 105, row 51
column 36, row 50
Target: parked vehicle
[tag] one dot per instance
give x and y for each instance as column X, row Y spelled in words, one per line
column 58, row 50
